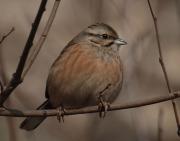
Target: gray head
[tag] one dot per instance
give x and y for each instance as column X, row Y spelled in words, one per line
column 101, row 35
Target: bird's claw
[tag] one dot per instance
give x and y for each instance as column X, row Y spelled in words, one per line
column 103, row 107
column 60, row 114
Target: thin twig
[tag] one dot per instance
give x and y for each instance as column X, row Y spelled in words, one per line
column 92, row 109
column 6, row 35
column 16, row 79
column 159, row 48
column 42, row 39
column 163, row 66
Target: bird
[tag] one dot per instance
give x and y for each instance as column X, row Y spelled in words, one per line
column 87, row 72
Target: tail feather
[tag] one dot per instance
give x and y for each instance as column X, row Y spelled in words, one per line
column 31, row 123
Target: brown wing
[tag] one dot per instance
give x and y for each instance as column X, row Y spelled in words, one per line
column 62, row 54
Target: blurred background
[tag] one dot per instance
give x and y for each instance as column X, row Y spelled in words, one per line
column 143, row 77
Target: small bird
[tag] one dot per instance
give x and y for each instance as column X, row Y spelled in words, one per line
column 88, row 72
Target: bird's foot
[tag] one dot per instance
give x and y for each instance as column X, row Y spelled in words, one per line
column 103, row 107
column 60, row 113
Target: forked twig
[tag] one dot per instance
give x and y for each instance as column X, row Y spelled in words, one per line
column 16, row 79
column 163, row 66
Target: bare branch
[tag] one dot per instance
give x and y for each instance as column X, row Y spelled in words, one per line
column 6, row 35
column 16, row 79
column 163, row 66
column 93, row 109
column 42, row 39
column 159, row 48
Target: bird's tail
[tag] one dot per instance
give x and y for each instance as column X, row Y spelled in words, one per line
column 31, row 123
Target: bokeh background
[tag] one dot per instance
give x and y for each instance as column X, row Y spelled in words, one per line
column 143, row 77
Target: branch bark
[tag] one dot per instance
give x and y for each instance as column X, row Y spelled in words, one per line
column 93, row 109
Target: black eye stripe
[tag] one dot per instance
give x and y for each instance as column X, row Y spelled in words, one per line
column 102, row 36
column 106, row 36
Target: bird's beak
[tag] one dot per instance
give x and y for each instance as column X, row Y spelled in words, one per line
column 119, row 41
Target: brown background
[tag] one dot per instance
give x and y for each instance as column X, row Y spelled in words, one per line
column 143, row 75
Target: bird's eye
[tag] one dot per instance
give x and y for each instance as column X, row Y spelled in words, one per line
column 105, row 36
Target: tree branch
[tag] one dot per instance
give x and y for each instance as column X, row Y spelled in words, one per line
column 163, row 65
column 93, row 109
column 42, row 39
column 16, row 79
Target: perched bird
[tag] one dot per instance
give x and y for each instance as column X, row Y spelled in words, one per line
column 87, row 72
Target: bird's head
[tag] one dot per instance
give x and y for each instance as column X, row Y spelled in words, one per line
column 101, row 35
